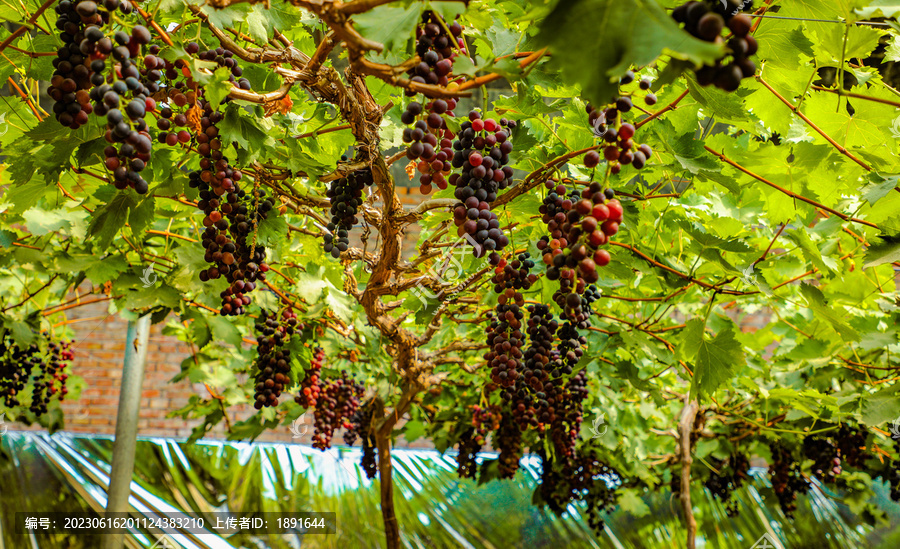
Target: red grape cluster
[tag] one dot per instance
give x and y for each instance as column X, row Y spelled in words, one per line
column 430, row 143
column 619, row 136
column 510, row 278
column 787, row 478
column 702, row 21
column 482, row 150
column 273, row 362
column 346, row 196
column 578, row 228
column 484, row 421
column 182, row 100
column 125, row 118
column 369, row 461
column 224, row 58
column 19, row 365
column 309, row 386
column 229, row 209
column 435, row 47
column 337, row 402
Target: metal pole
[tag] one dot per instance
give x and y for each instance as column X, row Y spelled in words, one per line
column 126, row 425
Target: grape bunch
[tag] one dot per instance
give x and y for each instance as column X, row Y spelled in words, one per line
column 504, row 336
column 50, row 380
column 361, row 427
column 369, row 461
column 525, row 396
column 565, row 422
column 505, row 340
column 20, row 365
column 466, row 465
column 583, row 477
column 124, row 99
column 429, row 143
column 229, row 209
column 825, row 456
column 706, row 20
column 787, row 478
column 346, row 196
column 435, row 48
column 337, row 402
column 570, row 347
column 482, row 151
column 16, row 365
column 508, row 440
column 851, row 441
column 731, row 475
column 72, row 75
column 309, row 386
column 620, row 148
column 273, row 362
column 79, row 63
column 481, row 227
column 224, row 58
column 474, row 437
column 182, row 98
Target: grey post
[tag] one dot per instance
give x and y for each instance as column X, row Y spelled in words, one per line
column 126, row 425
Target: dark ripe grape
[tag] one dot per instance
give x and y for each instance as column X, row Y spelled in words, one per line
column 611, row 153
column 407, row 117
column 650, row 99
column 140, row 34
column 192, row 48
column 626, row 131
column 752, row 45
column 628, row 78
column 135, row 109
column 86, row 8
column 710, row 26
column 644, row 84
column 623, row 104
column 748, row 67
column 435, row 121
column 740, row 24
column 729, row 78
column 639, row 160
